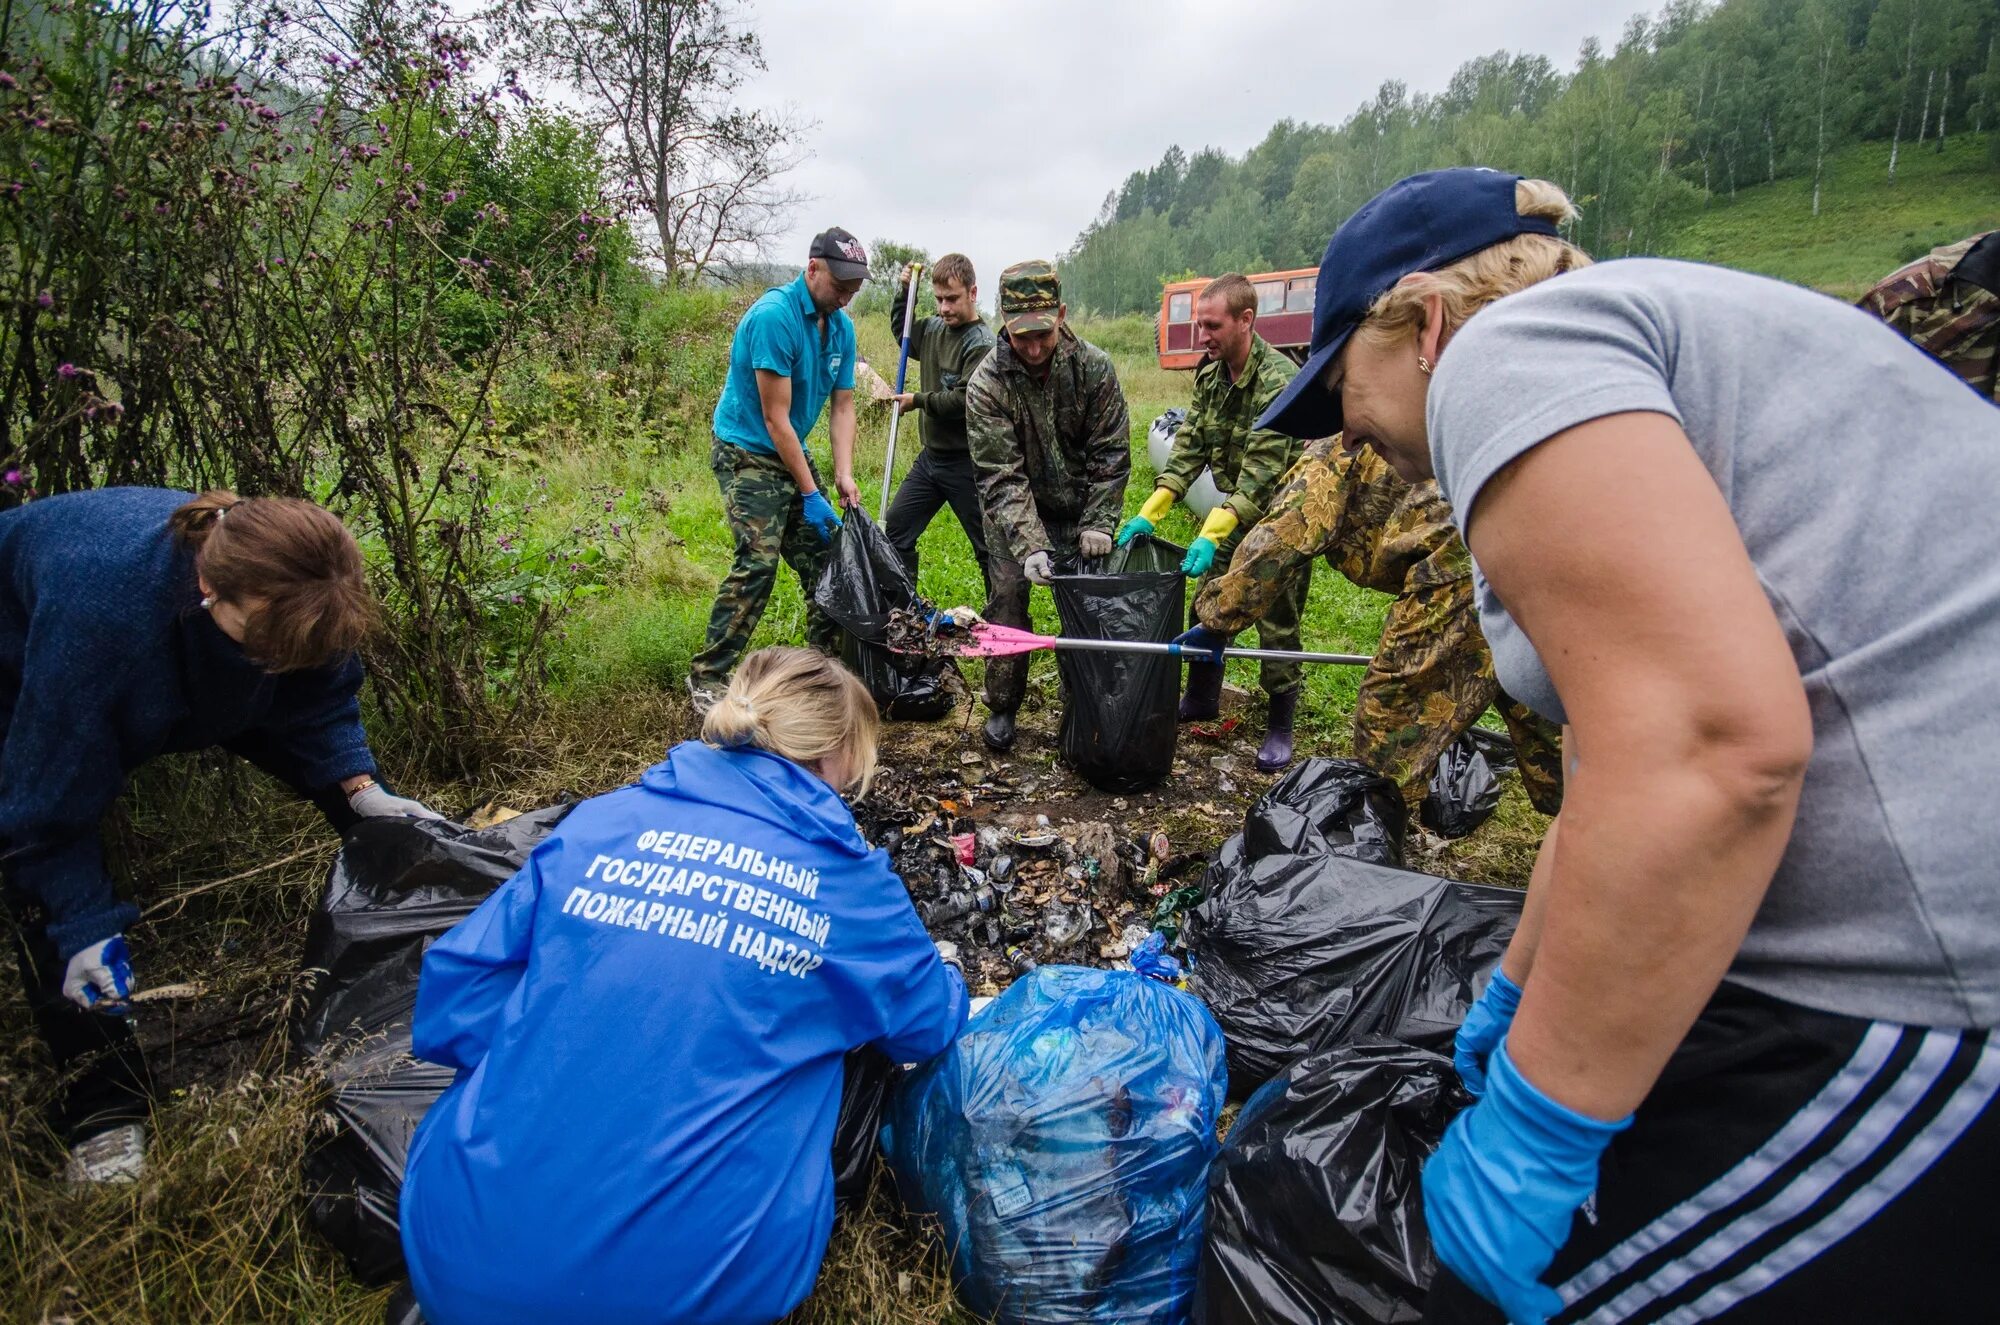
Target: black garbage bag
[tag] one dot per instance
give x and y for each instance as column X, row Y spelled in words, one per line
column 396, row 885
column 1465, row 786
column 1315, row 1211
column 1118, row 730
column 1302, row 944
column 867, row 1077
column 863, row 581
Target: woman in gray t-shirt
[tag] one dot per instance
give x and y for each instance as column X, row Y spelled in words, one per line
column 1740, row 539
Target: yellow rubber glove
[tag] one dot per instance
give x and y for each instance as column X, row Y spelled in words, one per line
column 1149, row 515
column 1220, row 524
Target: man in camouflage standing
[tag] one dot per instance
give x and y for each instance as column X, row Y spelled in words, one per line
column 1240, row 379
column 1948, row 304
column 1047, row 426
column 1432, row 674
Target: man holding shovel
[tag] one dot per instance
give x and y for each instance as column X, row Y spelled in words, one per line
column 1242, row 377
column 793, row 352
column 950, row 344
column 1050, row 437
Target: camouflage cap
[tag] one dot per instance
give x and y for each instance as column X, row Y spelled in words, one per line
column 1030, row 297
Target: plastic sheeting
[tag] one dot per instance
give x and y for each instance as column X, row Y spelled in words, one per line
column 1302, row 942
column 1118, row 730
column 1465, row 786
column 396, row 885
column 863, row 581
column 1315, row 1208
column 1064, row 1142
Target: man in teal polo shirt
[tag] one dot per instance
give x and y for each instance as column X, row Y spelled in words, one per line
column 793, row 351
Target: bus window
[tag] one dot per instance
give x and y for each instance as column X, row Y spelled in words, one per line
column 1270, row 297
column 1300, row 300
column 1180, row 307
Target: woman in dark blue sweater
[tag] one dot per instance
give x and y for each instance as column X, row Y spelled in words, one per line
column 136, row 621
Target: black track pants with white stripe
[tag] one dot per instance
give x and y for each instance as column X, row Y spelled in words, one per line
column 1790, row 1166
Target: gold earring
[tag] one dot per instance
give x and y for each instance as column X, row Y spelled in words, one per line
column 1423, row 365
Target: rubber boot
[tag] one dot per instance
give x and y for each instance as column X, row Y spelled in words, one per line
column 1276, row 752
column 1203, row 699
column 999, row 732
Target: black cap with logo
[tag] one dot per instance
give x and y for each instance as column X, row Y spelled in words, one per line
column 842, row 253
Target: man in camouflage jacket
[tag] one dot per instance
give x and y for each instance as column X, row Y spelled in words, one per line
column 1240, row 379
column 1948, row 304
column 1047, row 426
column 1432, row 676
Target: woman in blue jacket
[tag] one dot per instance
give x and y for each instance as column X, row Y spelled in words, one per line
column 133, row 622
column 648, row 1023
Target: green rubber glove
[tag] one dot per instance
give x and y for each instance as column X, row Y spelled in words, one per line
column 1132, row 528
column 1200, row 556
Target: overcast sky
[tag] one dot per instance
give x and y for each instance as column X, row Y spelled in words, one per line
column 996, row 128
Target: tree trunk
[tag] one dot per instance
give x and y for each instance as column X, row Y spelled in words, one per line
column 1819, row 157
column 1944, row 105
column 1903, row 92
column 1924, row 122
column 1985, row 84
column 1770, row 153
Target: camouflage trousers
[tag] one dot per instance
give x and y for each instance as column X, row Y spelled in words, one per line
column 1432, row 678
column 1278, row 628
column 765, row 514
column 1007, row 605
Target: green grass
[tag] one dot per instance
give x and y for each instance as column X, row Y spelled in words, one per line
column 1866, row 227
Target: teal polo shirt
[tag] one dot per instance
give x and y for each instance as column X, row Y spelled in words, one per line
column 782, row 333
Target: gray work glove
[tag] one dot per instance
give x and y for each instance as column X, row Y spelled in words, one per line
column 371, row 801
column 1094, row 543
column 1036, row 569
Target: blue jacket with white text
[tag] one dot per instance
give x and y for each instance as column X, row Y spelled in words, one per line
column 648, row 1024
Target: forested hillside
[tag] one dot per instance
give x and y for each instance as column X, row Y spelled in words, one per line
column 1693, row 105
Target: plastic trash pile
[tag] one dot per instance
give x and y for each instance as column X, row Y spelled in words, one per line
column 1015, row 892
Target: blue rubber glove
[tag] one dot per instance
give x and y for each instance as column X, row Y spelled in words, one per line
column 1133, row 528
column 99, row 978
column 1199, row 641
column 1501, row 1191
column 1479, row 1034
column 821, row 516
column 1200, row 556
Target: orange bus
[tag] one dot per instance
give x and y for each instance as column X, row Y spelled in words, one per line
column 1284, row 315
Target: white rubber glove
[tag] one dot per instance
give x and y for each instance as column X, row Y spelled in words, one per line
column 1094, row 543
column 370, row 801
column 1036, row 569
column 100, row 977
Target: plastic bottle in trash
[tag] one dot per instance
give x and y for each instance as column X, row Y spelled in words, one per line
column 953, row 906
column 1019, row 959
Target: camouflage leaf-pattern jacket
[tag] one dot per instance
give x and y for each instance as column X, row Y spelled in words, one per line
column 1247, row 462
column 1373, row 527
column 1051, row 451
column 1948, row 304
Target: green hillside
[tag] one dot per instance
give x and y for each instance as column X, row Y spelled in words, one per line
column 1866, row 227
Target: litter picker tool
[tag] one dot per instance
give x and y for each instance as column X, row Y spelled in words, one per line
column 902, row 372
column 993, row 641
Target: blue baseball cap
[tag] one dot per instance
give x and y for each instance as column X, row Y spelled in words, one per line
column 1420, row 223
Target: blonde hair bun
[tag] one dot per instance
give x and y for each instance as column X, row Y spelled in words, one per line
column 802, row 705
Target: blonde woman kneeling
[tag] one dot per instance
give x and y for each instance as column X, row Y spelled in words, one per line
column 648, row 1023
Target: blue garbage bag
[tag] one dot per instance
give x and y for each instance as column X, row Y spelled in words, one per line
column 1064, row 1142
